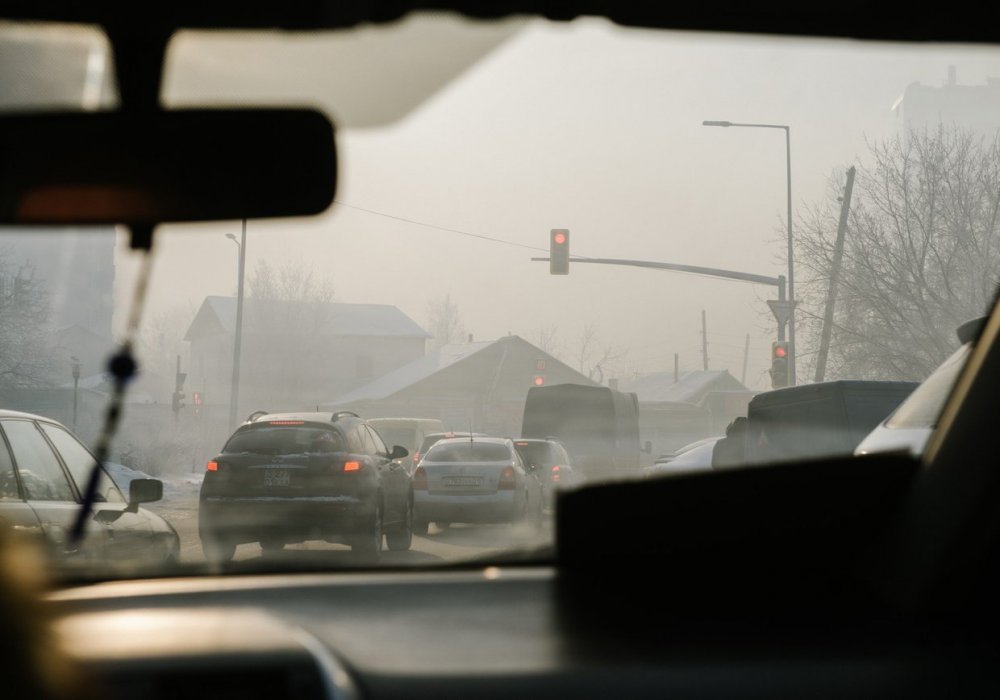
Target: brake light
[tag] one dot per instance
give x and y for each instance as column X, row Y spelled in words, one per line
column 352, row 466
column 416, row 458
column 556, row 472
column 212, row 467
column 286, row 422
column 420, row 479
column 506, row 479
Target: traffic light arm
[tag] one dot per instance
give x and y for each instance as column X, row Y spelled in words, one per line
column 674, row 267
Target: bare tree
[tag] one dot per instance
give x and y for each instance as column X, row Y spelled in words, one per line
column 595, row 360
column 444, row 322
column 548, row 340
column 26, row 360
column 922, row 254
column 159, row 343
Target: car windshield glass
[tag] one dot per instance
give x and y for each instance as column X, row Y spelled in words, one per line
column 612, row 237
column 466, row 451
column 923, row 408
column 284, row 440
column 537, row 453
column 397, row 436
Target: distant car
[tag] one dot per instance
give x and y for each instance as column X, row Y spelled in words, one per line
column 665, row 459
column 911, row 424
column 691, row 458
column 431, row 438
column 477, row 480
column 44, row 470
column 292, row 477
column 551, row 464
column 408, row 432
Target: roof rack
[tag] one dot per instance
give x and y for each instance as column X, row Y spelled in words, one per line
column 339, row 414
column 255, row 415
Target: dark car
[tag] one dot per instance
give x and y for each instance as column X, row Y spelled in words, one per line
column 550, row 463
column 292, row 477
column 44, row 470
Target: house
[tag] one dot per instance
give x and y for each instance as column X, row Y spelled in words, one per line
column 296, row 354
column 675, row 411
column 480, row 386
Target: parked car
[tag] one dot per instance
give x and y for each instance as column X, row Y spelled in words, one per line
column 911, row 424
column 550, row 463
column 408, row 432
column 44, row 470
column 292, row 477
column 474, row 480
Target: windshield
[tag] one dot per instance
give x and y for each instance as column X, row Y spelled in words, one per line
column 568, row 231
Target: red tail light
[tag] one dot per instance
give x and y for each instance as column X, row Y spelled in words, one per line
column 506, row 479
column 420, row 479
column 352, row 466
column 416, row 458
column 212, row 467
column 556, row 472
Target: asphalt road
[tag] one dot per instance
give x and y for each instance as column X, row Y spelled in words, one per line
column 454, row 543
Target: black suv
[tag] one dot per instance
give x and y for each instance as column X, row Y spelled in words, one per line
column 292, row 477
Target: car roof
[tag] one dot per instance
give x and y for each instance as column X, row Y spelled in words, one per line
column 321, row 417
column 5, row 413
column 490, row 440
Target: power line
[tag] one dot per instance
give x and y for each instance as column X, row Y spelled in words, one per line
column 441, row 228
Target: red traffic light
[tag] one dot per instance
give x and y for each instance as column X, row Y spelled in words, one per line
column 539, row 381
column 780, row 351
column 559, row 237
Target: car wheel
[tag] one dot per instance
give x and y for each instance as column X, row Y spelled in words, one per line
column 402, row 539
column 218, row 552
column 368, row 545
column 269, row 546
column 420, row 526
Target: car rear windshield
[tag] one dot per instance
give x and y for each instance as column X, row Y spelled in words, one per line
column 469, row 452
column 540, row 454
column 281, row 440
column 404, row 437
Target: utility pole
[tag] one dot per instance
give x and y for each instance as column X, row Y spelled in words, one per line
column 677, row 366
column 178, row 401
column 746, row 358
column 234, row 391
column 831, row 294
column 704, row 340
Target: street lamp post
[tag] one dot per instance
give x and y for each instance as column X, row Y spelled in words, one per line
column 234, row 391
column 791, row 266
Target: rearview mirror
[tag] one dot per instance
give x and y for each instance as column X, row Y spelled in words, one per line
column 398, row 452
column 146, row 168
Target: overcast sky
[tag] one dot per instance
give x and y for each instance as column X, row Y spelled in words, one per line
column 585, row 126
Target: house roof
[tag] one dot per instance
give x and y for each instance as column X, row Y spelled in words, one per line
column 408, row 375
column 217, row 315
column 690, row 387
column 433, row 363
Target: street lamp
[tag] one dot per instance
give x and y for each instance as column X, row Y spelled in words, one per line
column 234, row 390
column 792, row 354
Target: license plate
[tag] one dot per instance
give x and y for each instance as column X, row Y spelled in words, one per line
column 463, row 480
column 277, row 477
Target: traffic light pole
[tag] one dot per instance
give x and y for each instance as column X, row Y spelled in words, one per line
column 781, row 308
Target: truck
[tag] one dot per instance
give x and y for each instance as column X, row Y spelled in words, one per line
column 810, row 420
column 599, row 426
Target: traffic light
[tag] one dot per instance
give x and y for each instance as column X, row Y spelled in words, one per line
column 178, row 401
column 779, row 364
column 559, row 251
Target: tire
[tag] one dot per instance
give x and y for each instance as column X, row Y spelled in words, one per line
column 367, row 546
column 420, row 527
column 218, row 552
column 402, row 539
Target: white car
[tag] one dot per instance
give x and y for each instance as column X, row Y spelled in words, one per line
column 695, row 457
column 911, row 424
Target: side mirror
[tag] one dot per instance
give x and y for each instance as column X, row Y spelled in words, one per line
column 647, row 447
column 144, row 491
column 398, row 452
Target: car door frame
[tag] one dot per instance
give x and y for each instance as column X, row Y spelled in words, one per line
column 395, row 480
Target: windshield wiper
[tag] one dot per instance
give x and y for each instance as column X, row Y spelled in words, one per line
column 122, row 367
